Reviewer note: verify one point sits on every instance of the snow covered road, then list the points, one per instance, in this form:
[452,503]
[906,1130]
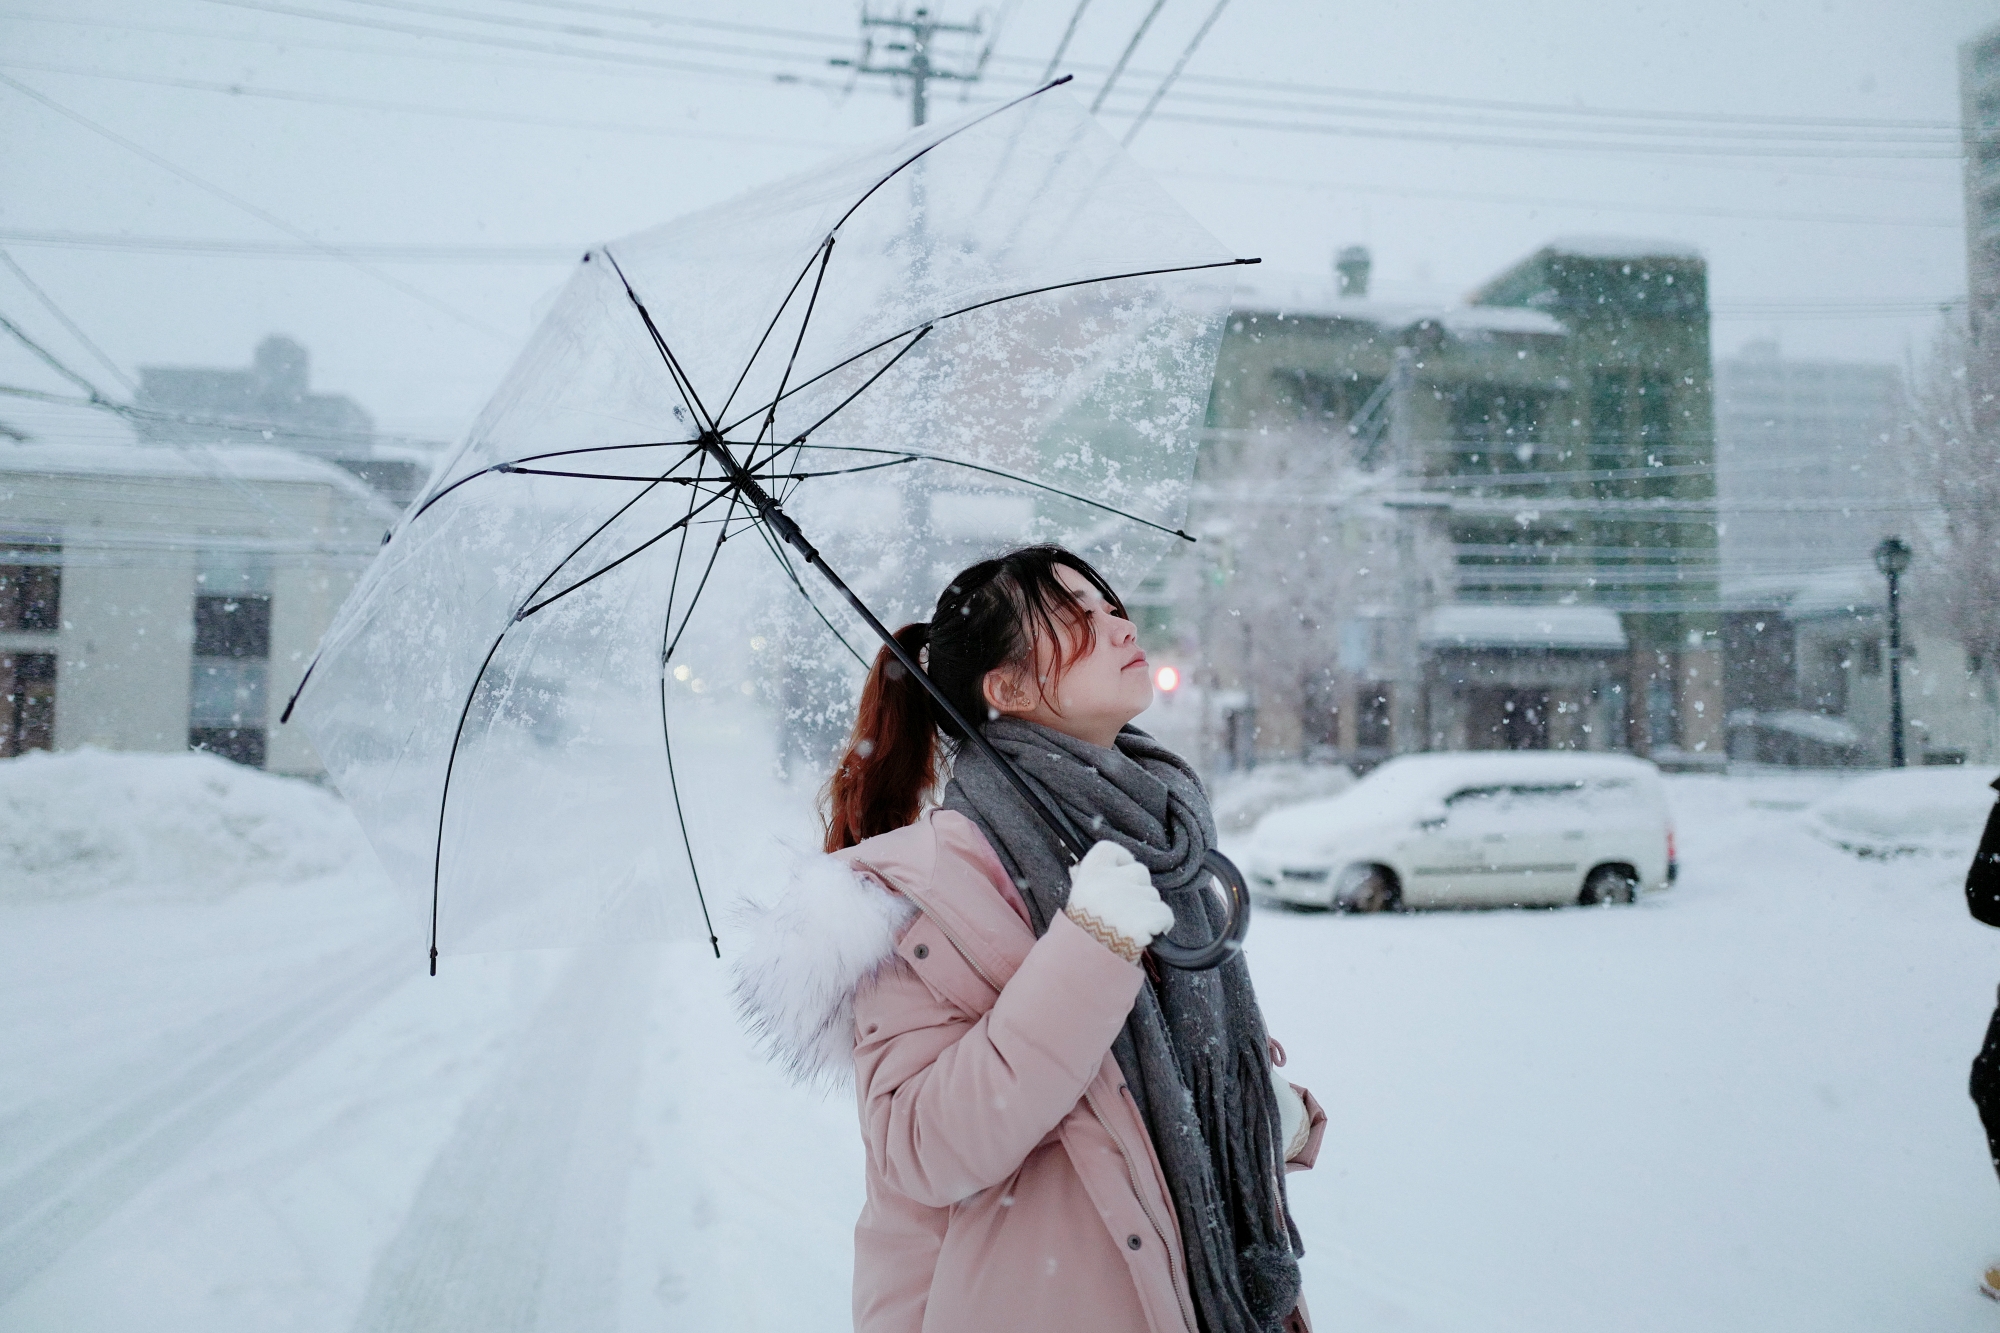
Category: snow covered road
[234,1102]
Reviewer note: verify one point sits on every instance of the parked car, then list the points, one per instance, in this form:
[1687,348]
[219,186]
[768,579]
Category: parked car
[1478,829]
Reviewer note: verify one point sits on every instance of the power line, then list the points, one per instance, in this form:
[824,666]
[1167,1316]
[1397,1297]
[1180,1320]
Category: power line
[1541,201]
[1076,17]
[481,57]
[75,332]
[1730,119]
[577,30]
[1550,145]
[236,201]
[418,109]
[1138,35]
[683,20]
[394,253]
[504,43]
[1138,123]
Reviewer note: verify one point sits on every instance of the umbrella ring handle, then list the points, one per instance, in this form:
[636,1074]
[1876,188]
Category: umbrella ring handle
[1197,958]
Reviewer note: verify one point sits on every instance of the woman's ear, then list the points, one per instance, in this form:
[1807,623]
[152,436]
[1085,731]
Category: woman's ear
[1006,690]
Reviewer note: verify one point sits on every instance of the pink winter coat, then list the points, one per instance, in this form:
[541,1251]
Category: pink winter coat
[1011,1181]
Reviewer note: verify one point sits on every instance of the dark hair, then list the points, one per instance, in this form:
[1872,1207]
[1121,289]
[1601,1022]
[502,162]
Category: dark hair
[991,615]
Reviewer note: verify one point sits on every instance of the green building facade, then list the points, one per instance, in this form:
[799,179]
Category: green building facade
[1553,436]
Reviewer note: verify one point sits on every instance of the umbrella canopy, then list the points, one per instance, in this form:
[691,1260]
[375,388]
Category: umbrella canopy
[566,680]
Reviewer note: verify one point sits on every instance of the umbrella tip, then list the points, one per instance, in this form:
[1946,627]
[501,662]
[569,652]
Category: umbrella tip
[1060,82]
[434,960]
[1250,261]
[716,945]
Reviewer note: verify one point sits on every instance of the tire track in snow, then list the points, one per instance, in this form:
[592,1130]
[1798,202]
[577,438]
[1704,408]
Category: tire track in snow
[65,1191]
[517,1224]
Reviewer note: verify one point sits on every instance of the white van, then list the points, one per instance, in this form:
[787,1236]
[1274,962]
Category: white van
[1478,829]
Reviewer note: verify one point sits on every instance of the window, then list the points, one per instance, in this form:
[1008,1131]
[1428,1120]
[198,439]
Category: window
[229,678]
[27,703]
[1631,431]
[30,589]
[1497,429]
[1373,720]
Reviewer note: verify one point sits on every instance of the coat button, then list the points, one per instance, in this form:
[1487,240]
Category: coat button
[1133,1242]
[922,951]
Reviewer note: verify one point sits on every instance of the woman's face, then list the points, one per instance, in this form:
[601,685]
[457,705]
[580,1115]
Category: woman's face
[1105,684]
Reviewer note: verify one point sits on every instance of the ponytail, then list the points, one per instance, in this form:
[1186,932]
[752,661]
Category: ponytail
[890,762]
[992,615]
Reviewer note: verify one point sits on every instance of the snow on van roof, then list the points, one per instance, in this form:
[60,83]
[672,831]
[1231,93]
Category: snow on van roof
[1573,627]
[1408,781]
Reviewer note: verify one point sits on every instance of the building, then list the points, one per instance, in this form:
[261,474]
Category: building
[1808,458]
[1552,438]
[1979,119]
[162,599]
[270,402]
[1808,676]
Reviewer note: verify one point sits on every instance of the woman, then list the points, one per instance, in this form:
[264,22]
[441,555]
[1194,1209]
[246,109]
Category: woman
[1060,1134]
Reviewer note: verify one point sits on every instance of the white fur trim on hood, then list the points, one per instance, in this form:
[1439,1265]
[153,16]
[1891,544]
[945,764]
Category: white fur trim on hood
[809,946]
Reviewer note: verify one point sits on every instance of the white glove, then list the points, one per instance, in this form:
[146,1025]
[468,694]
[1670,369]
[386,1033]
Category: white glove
[1112,896]
[1291,1114]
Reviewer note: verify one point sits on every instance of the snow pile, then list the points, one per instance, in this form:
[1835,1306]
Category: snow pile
[1906,812]
[87,821]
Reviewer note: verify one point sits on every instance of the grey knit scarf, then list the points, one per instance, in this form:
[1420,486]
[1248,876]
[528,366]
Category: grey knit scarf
[1193,1051]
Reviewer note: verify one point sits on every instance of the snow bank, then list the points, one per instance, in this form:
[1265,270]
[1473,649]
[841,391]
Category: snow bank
[1242,798]
[1905,812]
[191,825]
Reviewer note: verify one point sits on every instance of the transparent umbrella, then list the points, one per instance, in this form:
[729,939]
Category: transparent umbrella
[737,449]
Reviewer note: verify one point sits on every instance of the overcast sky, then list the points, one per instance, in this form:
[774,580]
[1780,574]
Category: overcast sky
[1807,147]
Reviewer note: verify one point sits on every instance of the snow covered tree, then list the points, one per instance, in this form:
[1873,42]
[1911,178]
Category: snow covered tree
[1954,452]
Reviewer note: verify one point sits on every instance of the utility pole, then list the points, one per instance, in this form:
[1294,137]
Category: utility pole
[918,69]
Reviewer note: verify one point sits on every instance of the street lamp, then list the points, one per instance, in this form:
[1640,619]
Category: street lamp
[1892,557]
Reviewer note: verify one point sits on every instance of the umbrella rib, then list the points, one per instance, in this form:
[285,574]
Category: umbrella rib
[676,526]
[866,384]
[666,730]
[709,569]
[694,482]
[769,329]
[458,735]
[784,563]
[770,425]
[921,456]
[680,376]
[981,305]
[513,465]
[909,161]
[444,795]
[853,208]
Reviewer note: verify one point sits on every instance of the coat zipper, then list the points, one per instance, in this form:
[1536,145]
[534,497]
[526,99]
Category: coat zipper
[1131,1168]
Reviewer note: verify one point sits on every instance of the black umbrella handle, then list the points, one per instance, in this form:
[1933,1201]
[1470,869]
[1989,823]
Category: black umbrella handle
[1199,957]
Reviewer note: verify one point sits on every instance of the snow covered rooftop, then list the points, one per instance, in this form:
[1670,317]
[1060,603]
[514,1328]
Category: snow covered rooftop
[1842,591]
[1292,294]
[236,462]
[1591,628]
[1621,247]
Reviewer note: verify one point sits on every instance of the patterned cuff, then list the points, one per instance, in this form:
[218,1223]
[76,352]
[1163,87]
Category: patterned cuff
[1123,945]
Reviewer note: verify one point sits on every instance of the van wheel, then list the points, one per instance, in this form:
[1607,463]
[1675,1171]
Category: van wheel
[1366,888]
[1608,884]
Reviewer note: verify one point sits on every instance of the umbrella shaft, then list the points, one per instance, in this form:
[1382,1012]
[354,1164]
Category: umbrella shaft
[781,523]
